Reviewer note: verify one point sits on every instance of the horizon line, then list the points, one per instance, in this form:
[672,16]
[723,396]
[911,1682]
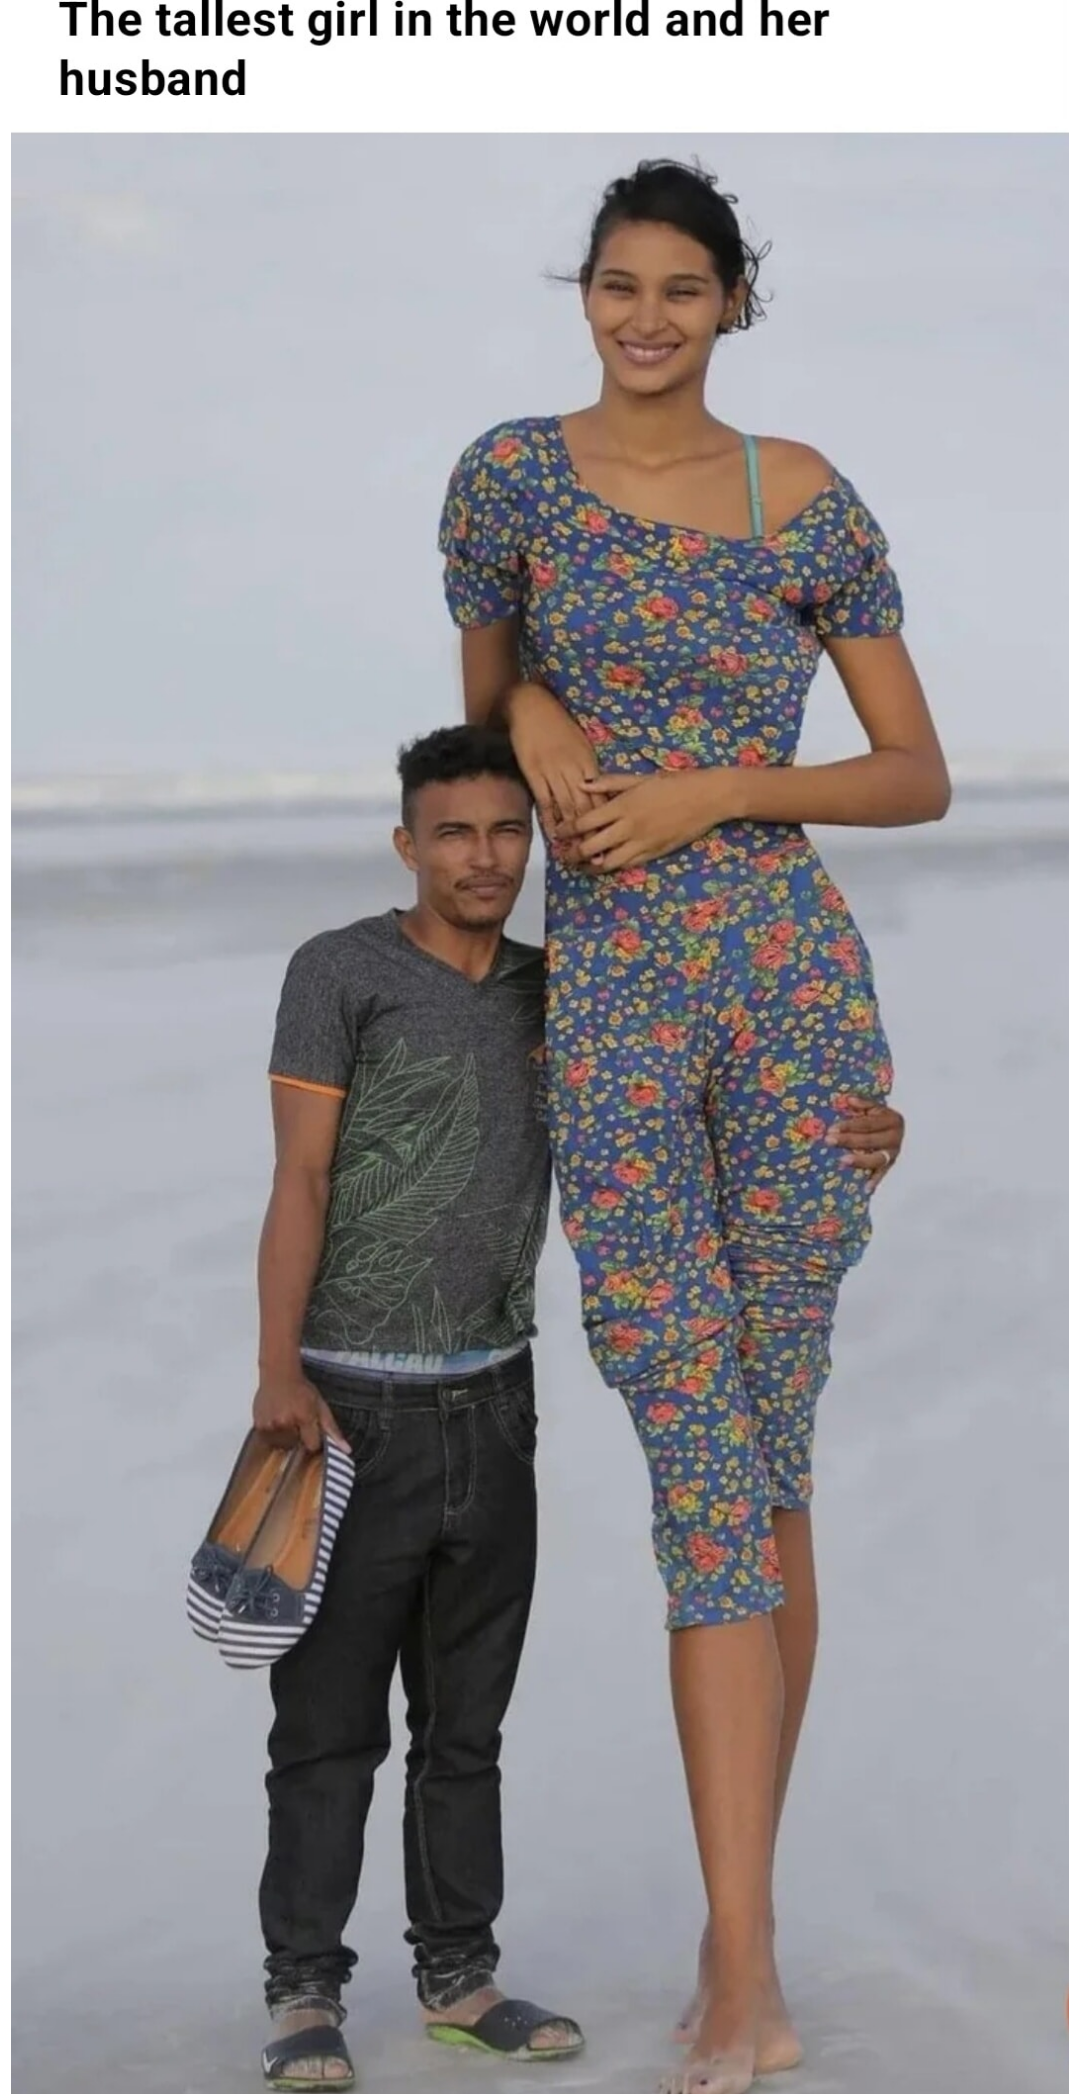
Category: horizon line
[279,791]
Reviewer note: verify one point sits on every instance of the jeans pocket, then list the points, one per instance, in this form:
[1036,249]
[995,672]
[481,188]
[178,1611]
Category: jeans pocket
[368,1434]
[515,1415]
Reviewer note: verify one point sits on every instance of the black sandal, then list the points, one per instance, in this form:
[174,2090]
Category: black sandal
[319,2042]
[505,2032]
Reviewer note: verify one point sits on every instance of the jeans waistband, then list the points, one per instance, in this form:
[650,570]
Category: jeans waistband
[395,1392]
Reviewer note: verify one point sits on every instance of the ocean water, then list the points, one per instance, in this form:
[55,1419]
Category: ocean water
[921,1883]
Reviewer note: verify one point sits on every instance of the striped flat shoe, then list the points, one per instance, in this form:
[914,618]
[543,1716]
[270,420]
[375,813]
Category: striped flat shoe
[275,1594]
[248,1495]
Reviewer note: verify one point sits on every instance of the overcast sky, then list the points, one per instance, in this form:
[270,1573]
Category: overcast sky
[245,365]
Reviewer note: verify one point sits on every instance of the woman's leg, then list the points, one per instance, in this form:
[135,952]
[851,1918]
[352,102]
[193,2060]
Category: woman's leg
[795,1626]
[728,1695]
[699,1197]
[716,1553]
[638,1198]
[796,1632]
[795,1219]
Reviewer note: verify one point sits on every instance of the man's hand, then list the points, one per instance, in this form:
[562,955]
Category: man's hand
[872,1134]
[287,1409]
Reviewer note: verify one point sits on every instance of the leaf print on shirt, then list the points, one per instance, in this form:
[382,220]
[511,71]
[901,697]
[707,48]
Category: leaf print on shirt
[406,1151]
[408,1144]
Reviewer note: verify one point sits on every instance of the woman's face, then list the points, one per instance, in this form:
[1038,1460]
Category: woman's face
[655,306]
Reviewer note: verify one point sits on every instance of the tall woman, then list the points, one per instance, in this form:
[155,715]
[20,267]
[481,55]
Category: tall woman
[644,594]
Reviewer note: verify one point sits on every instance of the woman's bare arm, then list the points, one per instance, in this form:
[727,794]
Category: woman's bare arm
[903,777]
[490,668]
[555,756]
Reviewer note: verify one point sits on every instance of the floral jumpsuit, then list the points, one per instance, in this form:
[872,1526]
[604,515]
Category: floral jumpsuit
[709,1014]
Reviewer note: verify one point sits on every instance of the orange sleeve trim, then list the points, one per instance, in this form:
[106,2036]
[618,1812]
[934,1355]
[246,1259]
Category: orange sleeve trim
[325,1090]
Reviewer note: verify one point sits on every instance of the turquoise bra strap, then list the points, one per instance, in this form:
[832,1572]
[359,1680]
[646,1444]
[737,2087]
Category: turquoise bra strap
[753,479]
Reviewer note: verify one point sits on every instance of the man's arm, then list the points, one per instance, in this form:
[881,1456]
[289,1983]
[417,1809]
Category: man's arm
[312,1063]
[287,1406]
[872,1136]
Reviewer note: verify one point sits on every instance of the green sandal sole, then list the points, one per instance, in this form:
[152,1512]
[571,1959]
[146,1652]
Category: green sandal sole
[463,2039]
[311,2086]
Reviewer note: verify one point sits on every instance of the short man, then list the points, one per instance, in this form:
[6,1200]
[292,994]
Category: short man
[396,1281]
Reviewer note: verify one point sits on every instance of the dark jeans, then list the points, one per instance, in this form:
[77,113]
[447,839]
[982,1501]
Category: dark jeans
[433,1567]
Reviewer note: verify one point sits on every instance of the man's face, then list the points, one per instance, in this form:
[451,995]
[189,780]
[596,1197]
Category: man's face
[468,844]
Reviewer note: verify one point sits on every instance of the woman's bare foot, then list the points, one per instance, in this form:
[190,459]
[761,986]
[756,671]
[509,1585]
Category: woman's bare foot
[290,2024]
[727,2069]
[778,2048]
[466,2012]
[709,2076]
[722,2060]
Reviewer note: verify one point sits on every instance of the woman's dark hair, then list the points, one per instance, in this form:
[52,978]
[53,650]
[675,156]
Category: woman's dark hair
[666,192]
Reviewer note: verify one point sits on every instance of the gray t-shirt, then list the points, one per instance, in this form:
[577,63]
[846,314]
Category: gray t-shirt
[441,1178]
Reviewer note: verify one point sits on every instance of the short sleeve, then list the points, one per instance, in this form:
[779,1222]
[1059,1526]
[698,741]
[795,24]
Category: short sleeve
[861,599]
[480,532]
[315,1035]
